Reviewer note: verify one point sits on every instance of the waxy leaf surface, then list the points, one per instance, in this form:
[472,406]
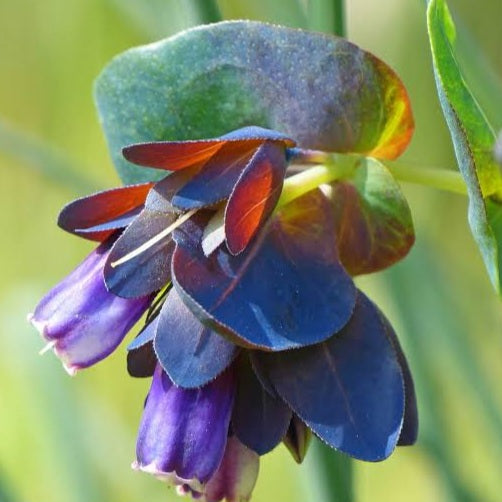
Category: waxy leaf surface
[98,215]
[473,140]
[324,92]
[150,270]
[141,359]
[373,219]
[190,353]
[288,289]
[259,420]
[349,389]
[255,195]
[242,151]
[216,180]
[409,431]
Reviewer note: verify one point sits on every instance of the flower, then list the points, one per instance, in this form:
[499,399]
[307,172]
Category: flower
[83,322]
[183,432]
[226,386]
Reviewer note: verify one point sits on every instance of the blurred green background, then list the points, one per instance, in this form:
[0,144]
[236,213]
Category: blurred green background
[72,440]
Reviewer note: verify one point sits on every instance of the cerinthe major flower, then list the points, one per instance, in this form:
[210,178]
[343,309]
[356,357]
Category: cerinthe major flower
[218,341]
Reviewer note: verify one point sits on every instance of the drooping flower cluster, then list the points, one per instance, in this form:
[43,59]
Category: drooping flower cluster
[232,285]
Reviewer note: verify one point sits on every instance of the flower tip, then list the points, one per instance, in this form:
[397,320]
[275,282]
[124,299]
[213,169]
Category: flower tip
[193,484]
[71,370]
[40,326]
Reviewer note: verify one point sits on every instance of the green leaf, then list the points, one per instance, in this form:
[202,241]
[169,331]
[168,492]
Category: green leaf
[473,140]
[323,91]
[373,219]
[327,16]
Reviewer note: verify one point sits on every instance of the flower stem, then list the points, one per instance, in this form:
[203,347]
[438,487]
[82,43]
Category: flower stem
[337,167]
[327,16]
[299,184]
[442,179]
[205,11]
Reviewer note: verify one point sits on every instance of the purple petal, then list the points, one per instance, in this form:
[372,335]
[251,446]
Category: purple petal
[236,477]
[183,432]
[82,320]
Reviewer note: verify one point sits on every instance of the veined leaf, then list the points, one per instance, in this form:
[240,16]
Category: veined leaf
[322,91]
[287,289]
[354,385]
[373,219]
[473,140]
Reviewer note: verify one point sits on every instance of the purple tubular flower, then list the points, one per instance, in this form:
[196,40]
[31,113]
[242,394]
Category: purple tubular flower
[183,432]
[80,319]
[235,479]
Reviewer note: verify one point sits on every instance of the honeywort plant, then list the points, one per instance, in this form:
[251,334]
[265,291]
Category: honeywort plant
[253,158]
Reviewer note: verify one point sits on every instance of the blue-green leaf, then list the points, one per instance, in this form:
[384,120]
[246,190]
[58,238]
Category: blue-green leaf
[320,90]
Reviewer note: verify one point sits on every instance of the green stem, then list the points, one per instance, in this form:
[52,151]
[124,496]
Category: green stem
[327,16]
[339,24]
[305,181]
[340,167]
[442,179]
[204,11]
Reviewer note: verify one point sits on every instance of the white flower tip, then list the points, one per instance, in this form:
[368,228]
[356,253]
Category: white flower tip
[182,490]
[169,477]
[71,370]
[40,326]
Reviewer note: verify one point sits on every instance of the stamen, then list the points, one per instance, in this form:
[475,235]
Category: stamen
[149,243]
[48,347]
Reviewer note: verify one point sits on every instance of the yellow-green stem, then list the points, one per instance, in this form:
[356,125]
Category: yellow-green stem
[343,166]
[441,179]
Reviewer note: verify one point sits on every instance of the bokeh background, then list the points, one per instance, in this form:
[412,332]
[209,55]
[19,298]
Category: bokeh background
[72,440]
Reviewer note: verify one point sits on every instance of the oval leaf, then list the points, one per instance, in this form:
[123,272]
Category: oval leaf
[409,431]
[190,353]
[259,420]
[349,389]
[373,219]
[473,140]
[97,216]
[324,92]
[255,195]
[288,289]
[215,181]
[150,270]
